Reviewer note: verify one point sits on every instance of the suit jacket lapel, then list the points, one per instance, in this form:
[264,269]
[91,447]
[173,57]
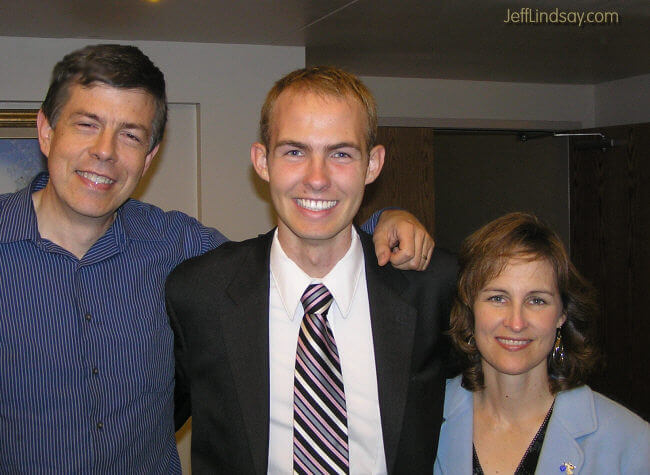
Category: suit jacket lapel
[573,417]
[393,330]
[246,333]
[455,449]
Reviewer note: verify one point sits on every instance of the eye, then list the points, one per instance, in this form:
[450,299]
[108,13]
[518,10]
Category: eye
[537,301]
[496,298]
[290,153]
[343,156]
[132,137]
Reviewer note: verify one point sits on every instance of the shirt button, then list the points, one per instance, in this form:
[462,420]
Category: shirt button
[95,371]
[88,317]
[100,425]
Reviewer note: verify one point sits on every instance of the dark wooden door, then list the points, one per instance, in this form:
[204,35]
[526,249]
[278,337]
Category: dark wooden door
[406,180]
[610,245]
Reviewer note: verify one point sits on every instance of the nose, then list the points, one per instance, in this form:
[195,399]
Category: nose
[103,148]
[515,320]
[316,176]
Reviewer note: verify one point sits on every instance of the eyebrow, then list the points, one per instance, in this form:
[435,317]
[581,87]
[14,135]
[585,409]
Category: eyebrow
[329,148]
[538,291]
[344,145]
[292,143]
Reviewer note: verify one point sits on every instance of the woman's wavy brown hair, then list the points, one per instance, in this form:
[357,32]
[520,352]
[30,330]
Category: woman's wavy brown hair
[484,255]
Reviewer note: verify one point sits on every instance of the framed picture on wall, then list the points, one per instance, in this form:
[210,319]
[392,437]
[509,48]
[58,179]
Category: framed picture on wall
[20,156]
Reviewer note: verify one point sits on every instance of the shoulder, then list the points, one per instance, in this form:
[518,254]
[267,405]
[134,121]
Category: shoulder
[456,396]
[607,431]
[8,200]
[583,403]
[229,254]
[614,417]
[17,218]
[455,445]
[5,208]
[139,212]
[443,264]
[443,257]
[144,220]
[438,280]
[221,263]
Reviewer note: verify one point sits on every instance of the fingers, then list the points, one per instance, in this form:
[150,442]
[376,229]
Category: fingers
[385,236]
[382,249]
[414,252]
[401,239]
[427,251]
[403,255]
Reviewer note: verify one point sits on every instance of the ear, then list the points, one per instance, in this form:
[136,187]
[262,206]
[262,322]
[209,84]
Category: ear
[44,133]
[561,320]
[149,158]
[375,163]
[260,161]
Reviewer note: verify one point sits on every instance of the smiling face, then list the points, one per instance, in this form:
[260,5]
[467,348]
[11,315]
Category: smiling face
[516,315]
[317,166]
[98,150]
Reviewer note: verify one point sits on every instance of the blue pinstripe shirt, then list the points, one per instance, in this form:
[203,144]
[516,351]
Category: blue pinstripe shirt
[86,353]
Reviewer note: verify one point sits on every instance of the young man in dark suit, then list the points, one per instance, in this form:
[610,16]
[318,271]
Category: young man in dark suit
[295,351]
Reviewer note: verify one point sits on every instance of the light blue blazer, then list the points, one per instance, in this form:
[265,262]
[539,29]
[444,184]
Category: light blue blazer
[586,430]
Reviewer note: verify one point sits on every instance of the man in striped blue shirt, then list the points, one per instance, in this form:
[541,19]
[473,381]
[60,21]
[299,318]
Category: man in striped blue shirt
[86,352]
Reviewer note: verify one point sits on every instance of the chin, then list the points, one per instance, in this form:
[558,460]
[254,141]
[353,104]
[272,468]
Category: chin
[515,368]
[96,213]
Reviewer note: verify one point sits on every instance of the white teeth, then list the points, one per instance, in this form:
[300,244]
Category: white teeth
[315,205]
[96,179]
[513,342]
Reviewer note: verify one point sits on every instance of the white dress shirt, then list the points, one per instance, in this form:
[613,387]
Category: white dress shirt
[349,317]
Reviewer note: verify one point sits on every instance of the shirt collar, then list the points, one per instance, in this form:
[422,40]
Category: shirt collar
[342,281]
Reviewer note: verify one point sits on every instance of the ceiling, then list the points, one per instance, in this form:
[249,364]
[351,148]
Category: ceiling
[453,39]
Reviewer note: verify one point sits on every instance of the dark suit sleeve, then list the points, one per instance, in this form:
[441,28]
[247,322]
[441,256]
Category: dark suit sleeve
[182,400]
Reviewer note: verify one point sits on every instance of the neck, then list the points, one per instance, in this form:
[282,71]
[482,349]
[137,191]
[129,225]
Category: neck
[73,233]
[514,397]
[316,257]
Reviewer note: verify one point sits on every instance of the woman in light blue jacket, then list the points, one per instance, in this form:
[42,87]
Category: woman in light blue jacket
[522,321]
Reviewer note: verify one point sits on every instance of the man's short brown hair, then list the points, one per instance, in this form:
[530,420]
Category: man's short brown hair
[326,81]
[119,66]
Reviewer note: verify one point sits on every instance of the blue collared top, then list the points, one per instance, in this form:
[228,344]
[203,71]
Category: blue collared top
[86,352]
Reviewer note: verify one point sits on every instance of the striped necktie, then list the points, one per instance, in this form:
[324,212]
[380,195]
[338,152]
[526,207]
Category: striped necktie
[320,432]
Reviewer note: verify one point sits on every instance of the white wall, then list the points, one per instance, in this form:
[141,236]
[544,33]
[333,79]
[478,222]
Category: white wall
[625,101]
[455,103]
[486,104]
[171,181]
[227,82]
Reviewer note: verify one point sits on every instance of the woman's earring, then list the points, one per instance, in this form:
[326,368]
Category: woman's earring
[558,349]
[471,341]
